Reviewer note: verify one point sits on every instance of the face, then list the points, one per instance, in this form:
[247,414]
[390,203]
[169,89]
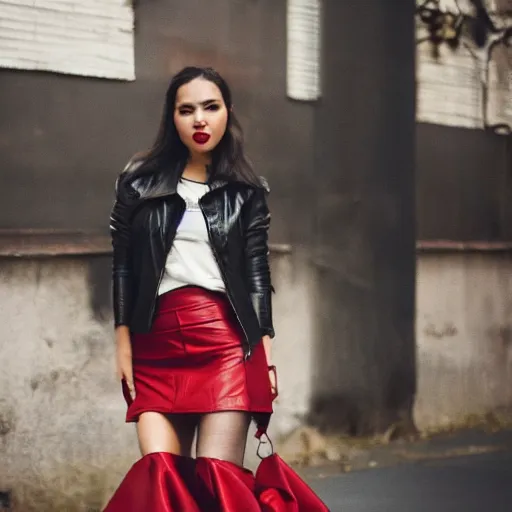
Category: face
[200,115]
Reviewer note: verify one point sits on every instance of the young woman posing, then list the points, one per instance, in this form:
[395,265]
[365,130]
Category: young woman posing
[193,314]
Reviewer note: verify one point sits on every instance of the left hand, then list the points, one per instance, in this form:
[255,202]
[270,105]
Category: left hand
[267,345]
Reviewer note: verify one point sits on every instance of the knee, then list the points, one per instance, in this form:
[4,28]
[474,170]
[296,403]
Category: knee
[148,449]
[156,434]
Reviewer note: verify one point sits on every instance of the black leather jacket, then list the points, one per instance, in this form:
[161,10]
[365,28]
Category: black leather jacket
[143,225]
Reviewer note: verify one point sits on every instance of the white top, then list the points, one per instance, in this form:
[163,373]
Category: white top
[191,260]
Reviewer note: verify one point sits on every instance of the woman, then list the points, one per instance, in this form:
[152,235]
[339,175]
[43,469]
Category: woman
[193,315]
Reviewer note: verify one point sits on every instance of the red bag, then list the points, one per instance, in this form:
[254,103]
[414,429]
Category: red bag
[280,489]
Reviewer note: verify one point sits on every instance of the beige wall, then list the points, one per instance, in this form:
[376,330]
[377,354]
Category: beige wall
[463,336]
[63,440]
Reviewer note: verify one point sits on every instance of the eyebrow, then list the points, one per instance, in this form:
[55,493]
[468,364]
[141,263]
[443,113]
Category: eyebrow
[205,103]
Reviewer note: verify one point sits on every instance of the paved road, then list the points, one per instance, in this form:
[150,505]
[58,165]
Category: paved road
[476,483]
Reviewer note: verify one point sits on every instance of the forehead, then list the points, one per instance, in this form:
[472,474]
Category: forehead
[198,91]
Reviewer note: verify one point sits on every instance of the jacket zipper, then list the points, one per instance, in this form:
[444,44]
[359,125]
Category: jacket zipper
[214,251]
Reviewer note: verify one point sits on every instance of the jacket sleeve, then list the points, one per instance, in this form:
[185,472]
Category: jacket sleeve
[257,224]
[121,274]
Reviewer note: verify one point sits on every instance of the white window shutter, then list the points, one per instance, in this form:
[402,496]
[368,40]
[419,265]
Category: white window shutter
[88,38]
[449,88]
[303,49]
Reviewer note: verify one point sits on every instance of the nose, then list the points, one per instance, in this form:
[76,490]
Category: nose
[199,119]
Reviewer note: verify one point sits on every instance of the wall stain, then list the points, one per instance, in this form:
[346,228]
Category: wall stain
[48,382]
[5,500]
[502,334]
[505,334]
[448,330]
[7,418]
[99,280]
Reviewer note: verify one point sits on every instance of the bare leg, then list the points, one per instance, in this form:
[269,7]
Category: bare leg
[222,435]
[160,433]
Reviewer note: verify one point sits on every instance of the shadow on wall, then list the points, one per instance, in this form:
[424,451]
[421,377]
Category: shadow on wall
[5,500]
[364,242]
[100,283]
[363,385]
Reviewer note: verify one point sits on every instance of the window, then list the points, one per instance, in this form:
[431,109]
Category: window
[303,49]
[464,79]
[87,38]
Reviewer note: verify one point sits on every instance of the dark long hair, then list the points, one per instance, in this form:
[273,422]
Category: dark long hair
[168,152]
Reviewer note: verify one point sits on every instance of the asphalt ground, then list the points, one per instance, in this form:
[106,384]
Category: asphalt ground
[466,472]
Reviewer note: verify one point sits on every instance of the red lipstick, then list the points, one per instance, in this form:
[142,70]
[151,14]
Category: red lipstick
[201,137]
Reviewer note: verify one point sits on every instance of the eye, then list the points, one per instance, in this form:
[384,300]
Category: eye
[185,111]
[213,107]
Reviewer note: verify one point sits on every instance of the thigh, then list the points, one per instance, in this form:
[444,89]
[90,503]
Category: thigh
[166,433]
[223,435]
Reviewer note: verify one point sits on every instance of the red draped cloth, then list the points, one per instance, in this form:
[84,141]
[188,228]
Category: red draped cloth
[162,482]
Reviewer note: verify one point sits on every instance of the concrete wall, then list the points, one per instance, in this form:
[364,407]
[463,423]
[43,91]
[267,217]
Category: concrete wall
[463,336]
[363,245]
[463,184]
[62,439]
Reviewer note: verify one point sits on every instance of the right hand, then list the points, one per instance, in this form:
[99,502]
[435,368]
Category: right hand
[124,365]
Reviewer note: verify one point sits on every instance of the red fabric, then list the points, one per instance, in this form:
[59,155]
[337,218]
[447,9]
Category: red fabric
[225,487]
[162,482]
[280,489]
[159,482]
[192,360]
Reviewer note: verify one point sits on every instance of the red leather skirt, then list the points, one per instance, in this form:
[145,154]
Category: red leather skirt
[192,361]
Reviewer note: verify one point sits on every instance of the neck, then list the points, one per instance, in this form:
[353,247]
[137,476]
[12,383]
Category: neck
[196,168]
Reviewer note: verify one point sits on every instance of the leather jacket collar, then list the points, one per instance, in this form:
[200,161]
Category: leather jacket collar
[145,186]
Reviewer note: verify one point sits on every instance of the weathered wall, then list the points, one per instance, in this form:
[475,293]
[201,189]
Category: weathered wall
[463,184]
[463,192]
[364,368]
[468,86]
[463,171]
[62,439]
[463,335]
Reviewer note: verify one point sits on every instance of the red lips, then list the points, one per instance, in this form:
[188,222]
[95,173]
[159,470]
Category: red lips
[201,137]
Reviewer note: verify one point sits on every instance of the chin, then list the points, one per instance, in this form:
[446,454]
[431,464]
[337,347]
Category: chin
[202,149]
